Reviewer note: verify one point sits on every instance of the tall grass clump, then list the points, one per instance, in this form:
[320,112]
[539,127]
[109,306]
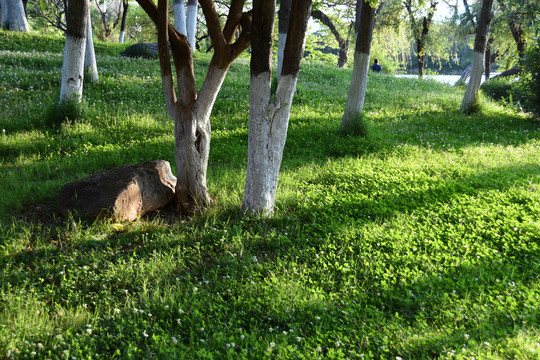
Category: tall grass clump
[418,241]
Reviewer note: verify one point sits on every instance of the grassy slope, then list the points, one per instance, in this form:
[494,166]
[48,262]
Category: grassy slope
[420,241]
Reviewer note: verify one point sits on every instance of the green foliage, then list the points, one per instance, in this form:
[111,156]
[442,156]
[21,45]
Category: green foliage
[499,88]
[529,83]
[419,241]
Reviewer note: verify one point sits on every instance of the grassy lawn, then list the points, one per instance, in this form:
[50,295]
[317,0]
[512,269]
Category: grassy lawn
[420,241]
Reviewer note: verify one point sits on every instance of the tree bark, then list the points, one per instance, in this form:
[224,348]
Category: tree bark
[284,15]
[71,86]
[125,8]
[90,64]
[421,32]
[342,43]
[269,119]
[4,23]
[16,16]
[191,113]
[191,22]
[180,16]
[470,98]
[517,32]
[351,121]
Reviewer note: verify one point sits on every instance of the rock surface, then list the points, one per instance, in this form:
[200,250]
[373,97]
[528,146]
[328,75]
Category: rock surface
[142,50]
[123,193]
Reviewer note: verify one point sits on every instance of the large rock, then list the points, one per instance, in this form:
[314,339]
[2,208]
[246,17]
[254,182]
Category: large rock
[123,193]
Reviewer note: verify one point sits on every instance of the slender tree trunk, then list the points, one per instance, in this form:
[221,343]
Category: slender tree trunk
[71,86]
[421,31]
[191,22]
[269,119]
[342,43]
[421,51]
[517,32]
[180,16]
[351,122]
[284,15]
[16,17]
[4,23]
[470,98]
[90,64]
[487,59]
[125,9]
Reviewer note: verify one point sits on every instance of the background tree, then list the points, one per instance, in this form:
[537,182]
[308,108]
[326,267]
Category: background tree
[71,86]
[284,15]
[180,16]
[110,12]
[14,16]
[125,8]
[420,20]
[189,110]
[351,122]
[482,32]
[269,116]
[90,64]
[49,12]
[191,22]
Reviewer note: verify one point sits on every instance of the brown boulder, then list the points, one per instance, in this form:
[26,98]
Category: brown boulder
[123,193]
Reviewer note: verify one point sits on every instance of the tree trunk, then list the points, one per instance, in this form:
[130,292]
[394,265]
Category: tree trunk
[517,32]
[16,17]
[421,32]
[191,113]
[284,14]
[351,122]
[4,23]
[71,86]
[269,119]
[421,51]
[191,22]
[470,98]
[90,65]
[180,16]
[487,59]
[125,9]
[342,43]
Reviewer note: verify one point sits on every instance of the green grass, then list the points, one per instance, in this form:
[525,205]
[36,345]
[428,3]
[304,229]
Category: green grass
[419,241]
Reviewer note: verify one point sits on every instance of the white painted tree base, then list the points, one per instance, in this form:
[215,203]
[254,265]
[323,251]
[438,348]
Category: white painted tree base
[71,86]
[357,91]
[471,94]
[180,17]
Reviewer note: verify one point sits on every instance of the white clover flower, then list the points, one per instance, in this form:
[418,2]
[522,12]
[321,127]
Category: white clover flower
[89,331]
[144,334]
[298,339]
[242,337]
[466,336]
[40,346]
[202,329]
[272,344]
[33,353]
[319,348]
[174,340]
[117,311]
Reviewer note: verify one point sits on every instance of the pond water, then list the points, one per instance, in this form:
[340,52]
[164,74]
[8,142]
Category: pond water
[447,79]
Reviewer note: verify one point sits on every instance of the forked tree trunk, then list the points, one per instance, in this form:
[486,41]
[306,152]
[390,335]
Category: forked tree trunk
[125,9]
[90,64]
[269,119]
[180,16]
[421,31]
[71,86]
[191,113]
[470,98]
[342,43]
[191,22]
[284,15]
[351,122]
[16,16]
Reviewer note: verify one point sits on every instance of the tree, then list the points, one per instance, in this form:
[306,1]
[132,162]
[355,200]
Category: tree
[125,8]
[189,110]
[343,43]
[420,28]
[284,15]
[482,32]
[71,85]
[110,12]
[513,14]
[351,121]
[52,12]
[191,22]
[269,116]
[180,16]
[14,15]
[90,64]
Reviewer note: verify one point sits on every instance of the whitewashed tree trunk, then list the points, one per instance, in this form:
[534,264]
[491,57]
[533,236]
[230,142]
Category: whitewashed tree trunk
[71,86]
[122,36]
[90,64]
[470,98]
[352,122]
[357,92]
[269,119]
[191,22]
[471,94]
[125,8]
[268,124]
[4,23]
[284,15]
[180,16]
[16,16]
